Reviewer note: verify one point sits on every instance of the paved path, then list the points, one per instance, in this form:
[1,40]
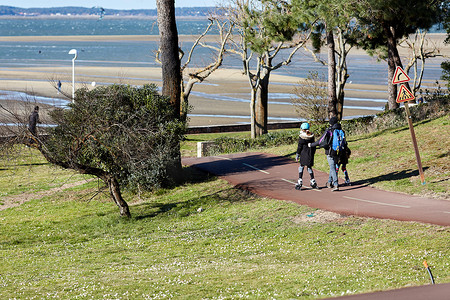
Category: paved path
[275,177]
[424,292]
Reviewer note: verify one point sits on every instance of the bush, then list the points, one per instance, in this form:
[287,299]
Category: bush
[434,108]
[127,136]
[229,145]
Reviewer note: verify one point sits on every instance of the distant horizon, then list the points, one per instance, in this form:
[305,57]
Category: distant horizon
[106,4]
[106,8]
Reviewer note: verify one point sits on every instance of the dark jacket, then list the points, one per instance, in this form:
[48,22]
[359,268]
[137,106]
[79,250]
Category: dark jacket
[326,139]
[306,153]
[344,156]
[33,120]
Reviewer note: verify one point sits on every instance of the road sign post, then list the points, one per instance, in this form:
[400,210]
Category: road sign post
[404,95]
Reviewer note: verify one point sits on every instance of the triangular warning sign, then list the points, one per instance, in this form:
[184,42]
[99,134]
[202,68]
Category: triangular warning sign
[404,94]
[400,76]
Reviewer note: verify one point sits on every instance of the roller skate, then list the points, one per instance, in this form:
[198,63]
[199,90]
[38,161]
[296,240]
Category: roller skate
[314,184]
[299,184]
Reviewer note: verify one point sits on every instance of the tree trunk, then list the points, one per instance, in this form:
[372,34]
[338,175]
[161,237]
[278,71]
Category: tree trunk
[262,104]
[341,75]
[114,190]
[171,73]
[171,65]
[392,49]
[332,99]
[253,114]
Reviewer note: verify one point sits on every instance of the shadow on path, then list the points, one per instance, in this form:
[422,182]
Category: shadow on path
[393,176]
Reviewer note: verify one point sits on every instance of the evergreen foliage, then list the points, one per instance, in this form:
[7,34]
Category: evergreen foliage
[130,133]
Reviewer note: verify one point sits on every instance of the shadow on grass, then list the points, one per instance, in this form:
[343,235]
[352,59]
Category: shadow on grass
[10,167]
[393,176]
[191,204]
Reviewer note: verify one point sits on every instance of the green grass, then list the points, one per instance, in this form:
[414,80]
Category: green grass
[29,172]
[237,247]
[205,239]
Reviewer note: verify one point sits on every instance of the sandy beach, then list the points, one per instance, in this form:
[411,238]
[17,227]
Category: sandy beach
[222,99]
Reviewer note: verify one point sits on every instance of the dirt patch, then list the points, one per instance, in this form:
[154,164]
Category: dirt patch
[317,216]
[17,200]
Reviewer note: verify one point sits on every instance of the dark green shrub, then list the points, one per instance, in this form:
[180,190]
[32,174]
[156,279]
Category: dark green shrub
[119,133]
[275,138]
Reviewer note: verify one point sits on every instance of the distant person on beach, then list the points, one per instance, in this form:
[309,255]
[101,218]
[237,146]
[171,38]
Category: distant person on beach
[306,155]
[33,120]
[59,86]
[326,141]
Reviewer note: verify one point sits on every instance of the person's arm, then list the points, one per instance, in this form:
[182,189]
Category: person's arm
[299,150]
[316,143]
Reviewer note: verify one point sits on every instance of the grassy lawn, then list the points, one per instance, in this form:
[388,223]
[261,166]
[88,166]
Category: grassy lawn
[206,239]
[29,172]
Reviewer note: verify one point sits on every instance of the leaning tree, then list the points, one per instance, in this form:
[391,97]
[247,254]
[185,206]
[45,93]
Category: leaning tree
[126,136]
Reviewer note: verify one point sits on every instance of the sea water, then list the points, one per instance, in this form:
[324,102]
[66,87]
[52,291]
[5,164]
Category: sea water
[362,69]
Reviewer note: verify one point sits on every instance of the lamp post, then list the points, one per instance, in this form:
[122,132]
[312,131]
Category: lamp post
[74,52]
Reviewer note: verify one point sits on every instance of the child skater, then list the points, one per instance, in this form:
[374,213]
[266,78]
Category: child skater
[306,155]
[343,160]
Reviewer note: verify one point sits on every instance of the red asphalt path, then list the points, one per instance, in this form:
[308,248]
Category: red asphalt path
[424,292]
[275,177]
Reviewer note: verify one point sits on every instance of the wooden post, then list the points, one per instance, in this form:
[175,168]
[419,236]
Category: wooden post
[404,95]
[414,141]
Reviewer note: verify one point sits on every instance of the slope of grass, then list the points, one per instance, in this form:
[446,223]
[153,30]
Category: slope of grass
[205,239]
[25,170]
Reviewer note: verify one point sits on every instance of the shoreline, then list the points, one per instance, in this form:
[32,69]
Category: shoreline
[95,16]
[437,40]
[223,98]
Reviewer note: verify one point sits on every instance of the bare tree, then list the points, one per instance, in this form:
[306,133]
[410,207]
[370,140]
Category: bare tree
[338,30]
[265,30]
[311,98]
[420,49]
[197,75]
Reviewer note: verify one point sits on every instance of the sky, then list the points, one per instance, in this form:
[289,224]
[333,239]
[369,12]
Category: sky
[114,4]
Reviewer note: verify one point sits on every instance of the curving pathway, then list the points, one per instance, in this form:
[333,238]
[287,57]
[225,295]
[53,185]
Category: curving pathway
[275,177]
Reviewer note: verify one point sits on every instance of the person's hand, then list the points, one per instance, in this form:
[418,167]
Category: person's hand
[296,158]
[309,145]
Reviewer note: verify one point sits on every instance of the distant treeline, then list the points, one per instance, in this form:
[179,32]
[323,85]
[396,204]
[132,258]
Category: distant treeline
[71,10]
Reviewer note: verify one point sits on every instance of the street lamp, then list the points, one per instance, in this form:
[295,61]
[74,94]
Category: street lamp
[74,52]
